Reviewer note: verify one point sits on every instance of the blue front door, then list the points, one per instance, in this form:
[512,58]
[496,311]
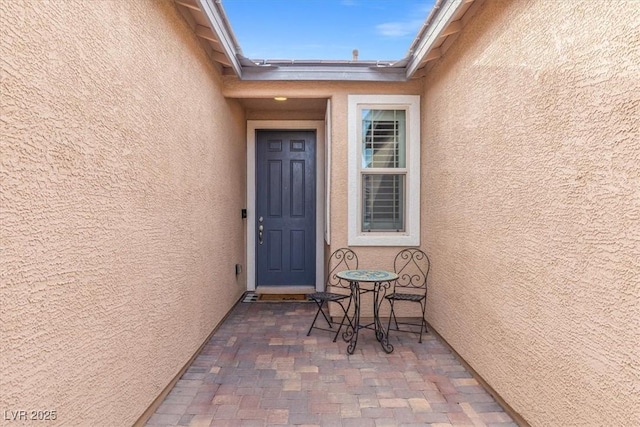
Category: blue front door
[285,207]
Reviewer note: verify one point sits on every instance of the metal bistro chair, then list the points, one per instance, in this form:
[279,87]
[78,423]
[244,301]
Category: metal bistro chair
[340,260]
[412,267]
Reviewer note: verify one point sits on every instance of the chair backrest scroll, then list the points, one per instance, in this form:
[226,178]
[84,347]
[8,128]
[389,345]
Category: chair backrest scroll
[412,267]
[340,260]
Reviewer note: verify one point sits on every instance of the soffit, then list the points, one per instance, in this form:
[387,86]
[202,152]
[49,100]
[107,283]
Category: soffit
[291,104]
[208,21]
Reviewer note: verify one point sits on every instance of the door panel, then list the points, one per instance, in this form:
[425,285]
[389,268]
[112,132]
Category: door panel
[297,188]
[274,189]
[285,208]
[297,250]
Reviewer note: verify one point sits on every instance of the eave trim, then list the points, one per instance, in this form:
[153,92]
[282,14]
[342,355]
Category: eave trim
[323,73]
[445,16]
[219,26]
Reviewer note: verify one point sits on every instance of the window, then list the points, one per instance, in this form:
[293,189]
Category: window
[384,175]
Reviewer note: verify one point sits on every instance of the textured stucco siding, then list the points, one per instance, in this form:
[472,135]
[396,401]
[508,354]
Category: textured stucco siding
[531,202]
[338,93]
[122,176]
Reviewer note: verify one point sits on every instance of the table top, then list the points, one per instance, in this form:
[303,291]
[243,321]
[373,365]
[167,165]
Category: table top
[367,275]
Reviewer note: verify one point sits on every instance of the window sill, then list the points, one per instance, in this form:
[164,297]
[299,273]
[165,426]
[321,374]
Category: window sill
[377,239]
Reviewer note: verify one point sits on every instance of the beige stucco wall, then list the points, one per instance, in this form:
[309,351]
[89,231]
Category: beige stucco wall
[338,93]
[531,200]
[122,174]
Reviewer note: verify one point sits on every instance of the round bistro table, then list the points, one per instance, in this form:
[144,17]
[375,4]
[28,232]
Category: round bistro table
[361,282]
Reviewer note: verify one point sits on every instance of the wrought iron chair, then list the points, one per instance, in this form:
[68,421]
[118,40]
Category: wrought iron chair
[412,267]
[340,260]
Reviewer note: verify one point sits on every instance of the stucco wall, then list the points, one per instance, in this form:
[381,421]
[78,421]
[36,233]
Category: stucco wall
[531,200]
[338,92]
[122,175]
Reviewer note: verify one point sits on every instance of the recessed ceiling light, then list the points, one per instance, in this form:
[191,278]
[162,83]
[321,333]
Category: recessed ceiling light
[280,98]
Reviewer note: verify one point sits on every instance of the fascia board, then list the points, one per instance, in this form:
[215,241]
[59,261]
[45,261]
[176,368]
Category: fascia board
[447,12]
[324,73]
[218,26]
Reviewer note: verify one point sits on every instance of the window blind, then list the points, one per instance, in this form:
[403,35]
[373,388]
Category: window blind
[383,202]
[383,139]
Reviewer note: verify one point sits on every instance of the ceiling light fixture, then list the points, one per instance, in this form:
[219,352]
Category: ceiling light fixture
[280,98]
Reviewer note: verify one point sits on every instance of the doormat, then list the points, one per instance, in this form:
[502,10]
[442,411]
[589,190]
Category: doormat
[250,297]
[254,297]
[282,297]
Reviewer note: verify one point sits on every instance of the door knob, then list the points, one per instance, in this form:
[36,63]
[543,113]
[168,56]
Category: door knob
[260,229]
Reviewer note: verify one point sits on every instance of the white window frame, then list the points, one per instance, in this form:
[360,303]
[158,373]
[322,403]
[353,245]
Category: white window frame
[411,234]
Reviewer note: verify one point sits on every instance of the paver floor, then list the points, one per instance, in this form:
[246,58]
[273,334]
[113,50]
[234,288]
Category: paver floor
[261,369]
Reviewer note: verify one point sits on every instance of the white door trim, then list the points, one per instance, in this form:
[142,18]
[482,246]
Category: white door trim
[252,127]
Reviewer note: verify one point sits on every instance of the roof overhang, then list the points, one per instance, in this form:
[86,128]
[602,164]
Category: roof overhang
[209,22]
[439,32]
[322,71]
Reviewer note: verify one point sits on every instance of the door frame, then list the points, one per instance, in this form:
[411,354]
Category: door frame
[252,127]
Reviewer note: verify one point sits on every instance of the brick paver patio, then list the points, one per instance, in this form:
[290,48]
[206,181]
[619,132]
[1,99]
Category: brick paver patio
[260,369]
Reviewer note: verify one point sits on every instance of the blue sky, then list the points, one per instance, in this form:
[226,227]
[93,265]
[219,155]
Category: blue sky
[326,29]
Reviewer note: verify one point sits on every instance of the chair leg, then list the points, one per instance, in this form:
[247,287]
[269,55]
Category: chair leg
[335,337]
[320,310]
[423,324]
[345,316]
[423,327]
[395,319]
[392,315]
[325,315]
